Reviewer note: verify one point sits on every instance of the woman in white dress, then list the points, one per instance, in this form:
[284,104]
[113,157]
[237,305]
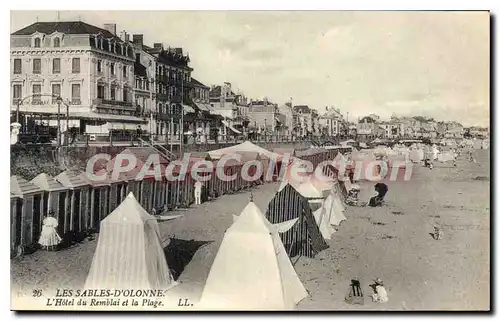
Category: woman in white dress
[49,237]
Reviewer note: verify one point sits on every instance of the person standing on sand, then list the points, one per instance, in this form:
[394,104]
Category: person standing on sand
[49,237]
[197,192]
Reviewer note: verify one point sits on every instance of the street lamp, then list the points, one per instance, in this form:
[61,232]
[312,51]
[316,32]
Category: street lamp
[58,101]
[265,130]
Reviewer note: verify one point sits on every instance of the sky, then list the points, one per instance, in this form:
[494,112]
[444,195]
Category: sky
[434,64]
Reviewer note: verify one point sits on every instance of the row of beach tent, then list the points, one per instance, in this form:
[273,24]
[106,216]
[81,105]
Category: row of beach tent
[252,268]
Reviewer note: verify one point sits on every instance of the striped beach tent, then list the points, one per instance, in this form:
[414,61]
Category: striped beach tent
[305,237]
[129,253]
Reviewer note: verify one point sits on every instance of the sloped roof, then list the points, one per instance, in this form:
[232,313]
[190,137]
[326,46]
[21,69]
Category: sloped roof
[71,180]
[47,183]
[19,186]
[197,83]
[302,108]
[67,27]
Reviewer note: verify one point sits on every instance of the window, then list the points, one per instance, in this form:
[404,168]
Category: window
[124,71]
[17,66]
[75,94]
[37,89]
[57,42]
[16,93]
[100,91]
[38,42]
[75,65]
[56,91]
[99,65]
[56,65]
[112,68]
[37,66]
[113,93]
[125,94]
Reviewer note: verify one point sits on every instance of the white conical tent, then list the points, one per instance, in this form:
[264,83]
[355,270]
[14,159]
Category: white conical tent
[326,186]
[323,222]
[308,190]
[129,253]
[252,270]
[332,212]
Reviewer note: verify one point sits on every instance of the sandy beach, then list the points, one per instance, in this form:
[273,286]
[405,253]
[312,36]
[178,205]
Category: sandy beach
[391,242]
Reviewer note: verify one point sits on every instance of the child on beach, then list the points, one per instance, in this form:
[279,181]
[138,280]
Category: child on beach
[380,295]
[378,200]
[49,238]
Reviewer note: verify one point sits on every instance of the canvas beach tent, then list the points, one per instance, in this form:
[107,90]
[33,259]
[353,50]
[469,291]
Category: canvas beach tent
[332,212]
[252,270]
[304,238]
[129,253]
[446,156]
[245,147]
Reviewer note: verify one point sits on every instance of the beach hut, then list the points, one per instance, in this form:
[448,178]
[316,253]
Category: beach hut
[304,238]
[274,163]
[146,189]
[129,253]
[16,209]
[54,197]
[251,269]
[100,193]
[77,203]
[26,220]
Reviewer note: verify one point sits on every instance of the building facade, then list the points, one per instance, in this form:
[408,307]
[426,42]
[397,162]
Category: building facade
[145,85]
[90,68]
[304,120]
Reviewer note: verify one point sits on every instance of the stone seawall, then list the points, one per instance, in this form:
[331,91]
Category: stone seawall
[29,161]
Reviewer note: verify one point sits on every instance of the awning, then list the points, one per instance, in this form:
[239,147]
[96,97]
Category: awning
[230,127]
[202,106]
[188,109]
[107,117]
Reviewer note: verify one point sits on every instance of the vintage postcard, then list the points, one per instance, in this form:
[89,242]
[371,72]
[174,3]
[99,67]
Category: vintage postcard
[250,160]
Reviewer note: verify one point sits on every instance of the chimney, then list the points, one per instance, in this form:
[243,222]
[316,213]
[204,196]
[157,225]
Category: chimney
[326,108]
[124,36]
[138,40]
[158,45]
[111,27]
[178,51]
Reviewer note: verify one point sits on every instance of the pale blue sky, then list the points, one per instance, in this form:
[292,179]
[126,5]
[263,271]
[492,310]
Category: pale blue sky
[426,63]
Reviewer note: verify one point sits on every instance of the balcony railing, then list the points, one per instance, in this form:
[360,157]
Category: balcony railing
[105,103]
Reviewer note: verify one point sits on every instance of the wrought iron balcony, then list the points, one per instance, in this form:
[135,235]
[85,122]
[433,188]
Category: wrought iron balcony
[105,103]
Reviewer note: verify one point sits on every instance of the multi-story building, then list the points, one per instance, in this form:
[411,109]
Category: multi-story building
[304,120]
[89,67]
[232,107]
[205,120]
[265,115]
[331,122]
[173,85]
[287,113]
[145,84]
[367,128]
[391,129]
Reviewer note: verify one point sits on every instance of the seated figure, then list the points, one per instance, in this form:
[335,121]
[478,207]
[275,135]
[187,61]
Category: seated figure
[378,200]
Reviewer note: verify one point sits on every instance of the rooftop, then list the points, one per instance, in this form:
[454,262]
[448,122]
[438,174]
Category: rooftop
[67,27]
